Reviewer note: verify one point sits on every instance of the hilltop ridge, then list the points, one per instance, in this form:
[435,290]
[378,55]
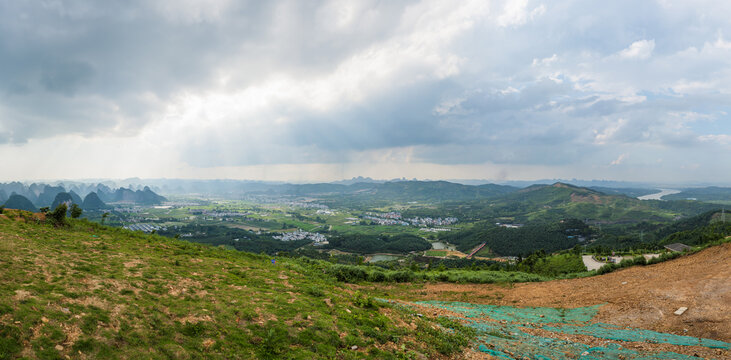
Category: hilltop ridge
[89,291]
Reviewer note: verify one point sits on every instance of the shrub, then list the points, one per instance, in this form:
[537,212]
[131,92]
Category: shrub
[376,276]
[75,211]
[640,260]
[348,273]
[400,276]
[607,269]
[58,216]
[363,301]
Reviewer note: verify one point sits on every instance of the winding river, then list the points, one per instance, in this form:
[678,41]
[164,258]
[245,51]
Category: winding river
[659,195]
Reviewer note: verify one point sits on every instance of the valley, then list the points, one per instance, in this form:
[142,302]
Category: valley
[551,270]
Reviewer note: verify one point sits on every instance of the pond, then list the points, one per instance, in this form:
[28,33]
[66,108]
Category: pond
[375,258]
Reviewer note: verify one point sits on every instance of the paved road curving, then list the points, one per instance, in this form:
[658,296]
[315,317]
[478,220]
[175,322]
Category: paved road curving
[590,263]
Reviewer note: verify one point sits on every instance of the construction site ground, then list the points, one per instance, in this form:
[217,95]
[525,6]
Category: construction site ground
[640,297]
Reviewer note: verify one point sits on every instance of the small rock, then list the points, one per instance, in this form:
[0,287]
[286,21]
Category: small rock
[585,353]
[347,310]
[624,283]
[680,310]
[419,315]
[59,347]
[354,347]
[65,310]
[44,319]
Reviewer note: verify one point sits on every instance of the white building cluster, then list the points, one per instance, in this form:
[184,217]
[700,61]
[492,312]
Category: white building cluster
[394,218]
[307,205]
[144,227]
[318,238]
[382,221]
[427,221]
[220,214]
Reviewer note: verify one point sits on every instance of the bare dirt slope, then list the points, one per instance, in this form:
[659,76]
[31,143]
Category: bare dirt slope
[641,296]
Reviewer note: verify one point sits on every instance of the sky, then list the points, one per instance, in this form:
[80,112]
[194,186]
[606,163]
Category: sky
[327,90]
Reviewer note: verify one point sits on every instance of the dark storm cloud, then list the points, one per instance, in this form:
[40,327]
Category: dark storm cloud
[59,55]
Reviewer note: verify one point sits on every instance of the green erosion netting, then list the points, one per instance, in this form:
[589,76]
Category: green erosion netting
[611,332]
[500,333]
[540,315]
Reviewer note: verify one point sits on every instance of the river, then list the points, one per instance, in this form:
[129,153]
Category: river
[658,196]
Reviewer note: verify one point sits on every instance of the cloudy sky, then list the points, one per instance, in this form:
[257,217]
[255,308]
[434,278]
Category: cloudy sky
[324,90]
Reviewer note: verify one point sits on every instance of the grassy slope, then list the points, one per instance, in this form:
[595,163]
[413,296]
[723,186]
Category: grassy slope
[92,292]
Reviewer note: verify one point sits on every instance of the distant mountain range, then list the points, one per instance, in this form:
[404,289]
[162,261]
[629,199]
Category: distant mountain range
[35,196]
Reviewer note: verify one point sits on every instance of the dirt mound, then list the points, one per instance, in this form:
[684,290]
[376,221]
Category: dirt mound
[641,297]
[589,198]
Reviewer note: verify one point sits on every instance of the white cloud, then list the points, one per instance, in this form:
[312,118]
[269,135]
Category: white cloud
[619,160]
[545,61]
[638,50]
[722,139]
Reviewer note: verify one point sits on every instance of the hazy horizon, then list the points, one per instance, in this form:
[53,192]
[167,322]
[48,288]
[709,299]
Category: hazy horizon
[329,90]
[156,182]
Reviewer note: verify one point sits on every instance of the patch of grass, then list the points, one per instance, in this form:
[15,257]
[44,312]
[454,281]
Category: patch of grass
[9,341]
[129,297]
[441,253]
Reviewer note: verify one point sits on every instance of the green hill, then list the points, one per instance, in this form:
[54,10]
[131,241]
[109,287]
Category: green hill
[550,203]
[93,202]
[75,198]
[374,194]
[19,202]
[61,198]
[93,292]
[48,195]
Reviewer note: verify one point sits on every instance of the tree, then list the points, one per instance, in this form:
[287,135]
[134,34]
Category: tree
[75,211]
[58,216]
[104,217]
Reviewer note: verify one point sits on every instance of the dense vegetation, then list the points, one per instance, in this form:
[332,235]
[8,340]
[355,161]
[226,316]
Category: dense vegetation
[653,236]
[563,263]
[239,239]
[521,241]
[700,236]
[368,244]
